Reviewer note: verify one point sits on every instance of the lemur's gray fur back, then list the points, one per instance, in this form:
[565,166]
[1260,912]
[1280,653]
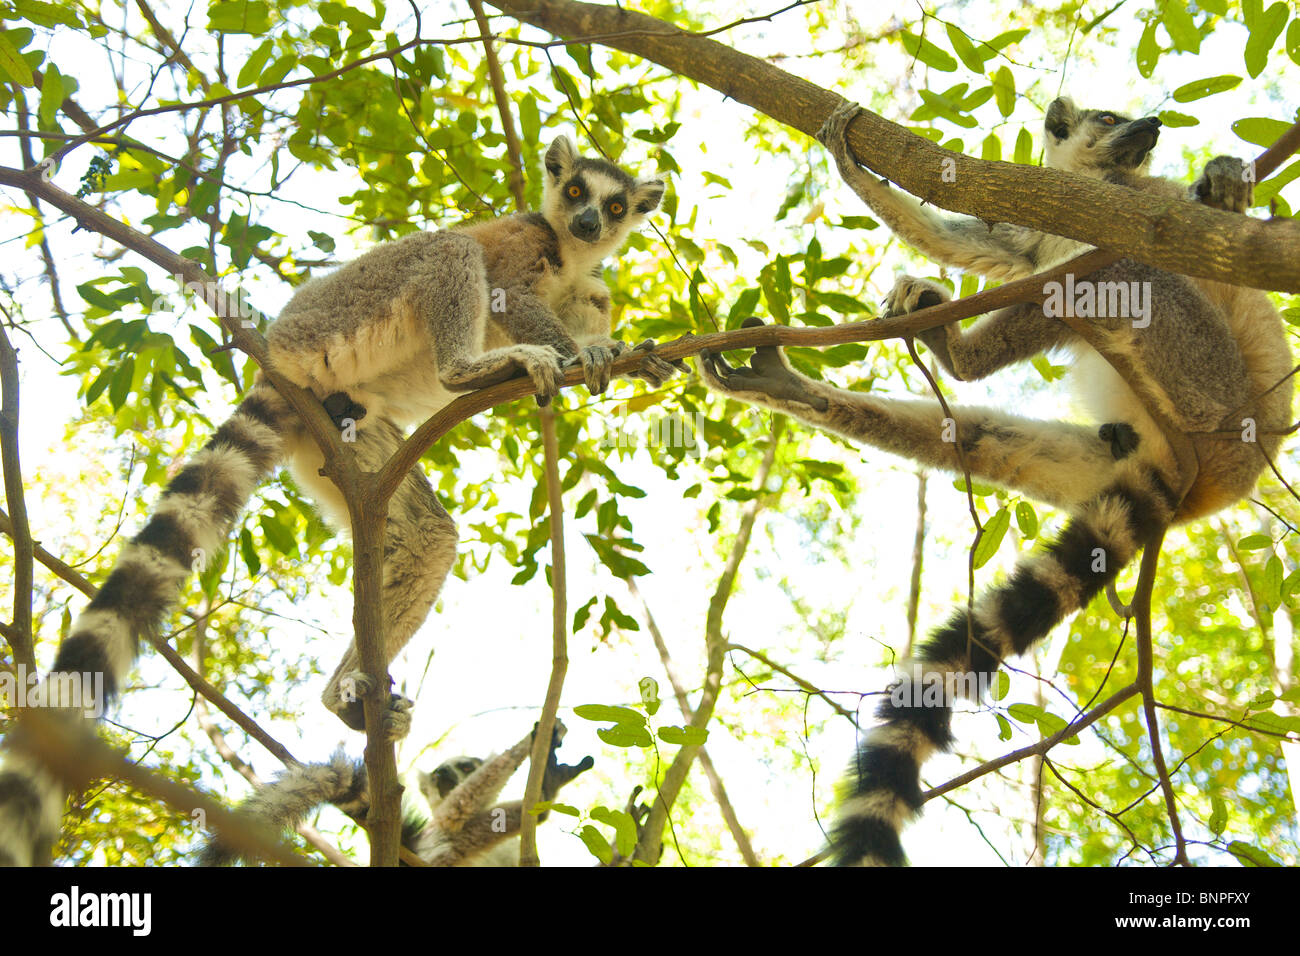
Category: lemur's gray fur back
[382,342]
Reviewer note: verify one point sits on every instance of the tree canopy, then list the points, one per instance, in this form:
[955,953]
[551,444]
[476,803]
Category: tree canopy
[735,588]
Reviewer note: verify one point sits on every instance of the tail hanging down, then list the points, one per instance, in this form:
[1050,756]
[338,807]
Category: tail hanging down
[191,523]
[1045,588]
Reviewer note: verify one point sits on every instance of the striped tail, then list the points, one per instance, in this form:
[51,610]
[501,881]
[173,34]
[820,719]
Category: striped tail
[285,803]
[1045,588]
[193,520]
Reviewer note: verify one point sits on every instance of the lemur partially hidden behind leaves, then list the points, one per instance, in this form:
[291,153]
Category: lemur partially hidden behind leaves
[384,342]
[1211,357]
[465,826]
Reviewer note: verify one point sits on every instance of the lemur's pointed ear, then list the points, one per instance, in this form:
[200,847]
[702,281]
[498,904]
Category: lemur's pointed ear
[560,155]
[1061,117]
[646,195]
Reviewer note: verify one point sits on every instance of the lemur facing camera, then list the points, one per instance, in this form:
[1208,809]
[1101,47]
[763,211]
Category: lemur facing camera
[1211,357]
[385,341]
[463,828]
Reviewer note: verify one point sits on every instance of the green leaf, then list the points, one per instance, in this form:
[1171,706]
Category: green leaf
[278,534]
[278,70]
[1003,686]
[1182,28]
[687,735]
[601,712]
[839,302]
[48,14]
[1147,50]
[1260,130]
[1265,30]
[1004,728]
[1026,519]
[964,49]
[580,616]
[928,53]
[623,824]
[98,385]
[1003,40]
[649,689]
[1047,722]
[1250,855]
[596,844]
[11,61]
[1254,542]
[1024,153]
[1218,821]
[1176,120]
[625,735]
[1271,589]
[52,94]
[858,223]
[120,387]
[994,530]
[1293,40]
[1208,86]
[1265,191]
[252,68]
[239,16]
[248,552]
[1004,88]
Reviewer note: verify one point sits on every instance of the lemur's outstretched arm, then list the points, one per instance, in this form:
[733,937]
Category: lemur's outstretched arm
[997,250]
[1052,462]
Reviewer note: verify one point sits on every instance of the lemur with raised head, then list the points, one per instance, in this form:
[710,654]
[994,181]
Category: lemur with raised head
[1211,357]
[465,826]
[385,341]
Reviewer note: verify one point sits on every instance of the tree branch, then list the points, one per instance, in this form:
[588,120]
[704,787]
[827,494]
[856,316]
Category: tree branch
[20,631]
[728,811]
[1182,237]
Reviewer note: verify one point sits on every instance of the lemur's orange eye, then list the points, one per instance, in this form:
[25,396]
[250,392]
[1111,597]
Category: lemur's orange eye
[616,209]
[1108,120]
[574,190]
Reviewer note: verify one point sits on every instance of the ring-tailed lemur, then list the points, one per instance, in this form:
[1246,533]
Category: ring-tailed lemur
[1204,350]
[463,827]
[385,341]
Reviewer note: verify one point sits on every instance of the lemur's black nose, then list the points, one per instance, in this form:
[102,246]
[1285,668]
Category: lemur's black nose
[1152,121]
[586,225]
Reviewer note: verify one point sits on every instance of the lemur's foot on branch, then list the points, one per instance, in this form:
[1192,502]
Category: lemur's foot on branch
[655,370]
[1225,184]
[342,409]
[768,377]
[348,705]
[911,294]
[1122,437]
[833,134]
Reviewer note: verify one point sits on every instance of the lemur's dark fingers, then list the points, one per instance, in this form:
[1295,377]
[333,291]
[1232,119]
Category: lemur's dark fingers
[596,363]
[1224,184]
[1121,436]
[340,407]
[836,126]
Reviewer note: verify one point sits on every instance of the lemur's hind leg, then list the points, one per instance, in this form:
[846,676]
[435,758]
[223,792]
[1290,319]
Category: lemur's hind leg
[419,549]
[1053,462]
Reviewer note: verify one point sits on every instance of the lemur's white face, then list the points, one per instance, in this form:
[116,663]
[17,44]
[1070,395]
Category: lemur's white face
[448,775]
[593,203]
[1096,142]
